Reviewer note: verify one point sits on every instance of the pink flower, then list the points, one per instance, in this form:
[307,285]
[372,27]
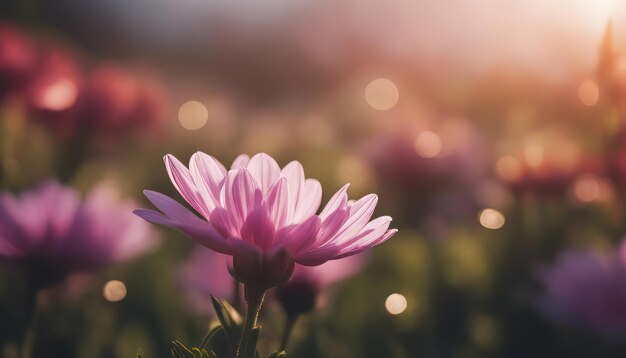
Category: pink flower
[205,274]
[116,102]
[17,60]
[52,233]
[587,288]
[265,217]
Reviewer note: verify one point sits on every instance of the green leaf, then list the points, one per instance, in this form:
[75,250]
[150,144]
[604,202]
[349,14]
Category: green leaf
[250,349]
[229,317]
[281,354]
[179,350]
[221,343]
[206,341]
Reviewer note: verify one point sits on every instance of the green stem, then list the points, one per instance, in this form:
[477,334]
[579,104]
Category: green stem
[237,295]
[254,299]
[291,321]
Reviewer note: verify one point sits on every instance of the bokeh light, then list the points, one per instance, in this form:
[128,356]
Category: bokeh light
[534,154]
[589,188]
[382,94]
[491,218]
[114,291]
[396,304]
[193,115]
[589,92]
[508,168]
[428,144]
[58,95]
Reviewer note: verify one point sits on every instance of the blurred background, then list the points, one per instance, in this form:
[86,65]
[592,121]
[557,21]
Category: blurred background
[492,131]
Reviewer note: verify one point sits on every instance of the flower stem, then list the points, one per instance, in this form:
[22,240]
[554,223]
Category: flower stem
[237,295]
[254,299]
[291,321]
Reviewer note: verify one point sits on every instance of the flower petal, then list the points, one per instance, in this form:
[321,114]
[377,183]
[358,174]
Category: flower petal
[360,214]
[208,175]
[309,200]
[373,231]
[386,236]
[199,230]
[295,178]
[258,229]
[277,202]
[184,183]
[297,238]
[241,195]
[331,225]
[264,169]
[240,162]
[338,201]
[317,257]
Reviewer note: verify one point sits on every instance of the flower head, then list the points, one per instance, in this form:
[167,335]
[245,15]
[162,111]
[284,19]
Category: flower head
[52,233]
[589,289]
[265,216]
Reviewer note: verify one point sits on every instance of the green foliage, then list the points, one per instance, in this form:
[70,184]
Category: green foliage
[229,318]
[179,350]
[222,340]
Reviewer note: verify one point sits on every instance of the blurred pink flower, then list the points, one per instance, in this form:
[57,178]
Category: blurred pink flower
[53,93]
[106,103]
[17,60]
[300,295]
[265,217]
[551,178]
[116,102]
[587,288]
[52,233]
[205,274]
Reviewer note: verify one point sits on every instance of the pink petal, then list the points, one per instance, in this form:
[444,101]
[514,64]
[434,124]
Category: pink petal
[264,169]
[208,175]
[298,237]
[373,231]
[331,225]
[258,229]
[317,257]
[197,229]
[241,195]
[222,220]
[184,183]
[386,236]
[277,202]
[309,200]
[295,178]
[240,162]
[338,201]
[360,214]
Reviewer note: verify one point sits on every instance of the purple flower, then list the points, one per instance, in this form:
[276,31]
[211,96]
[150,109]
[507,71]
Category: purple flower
[587,288]
[205,274]
[53,233]
[265,217]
